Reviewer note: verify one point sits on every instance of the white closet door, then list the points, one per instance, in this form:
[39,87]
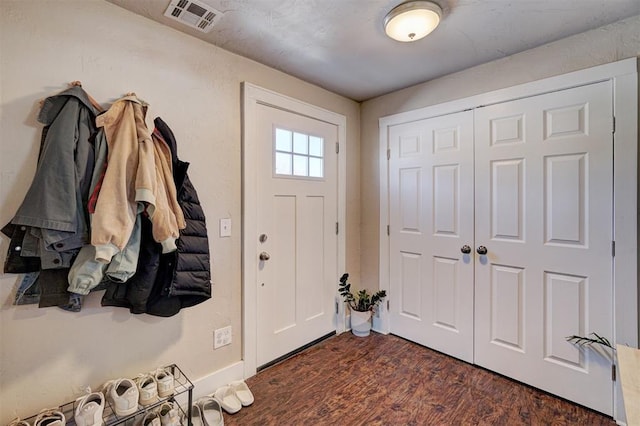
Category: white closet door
[544,212]
[431,211]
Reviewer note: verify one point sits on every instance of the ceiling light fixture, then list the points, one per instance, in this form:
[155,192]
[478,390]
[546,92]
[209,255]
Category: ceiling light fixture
[412,20]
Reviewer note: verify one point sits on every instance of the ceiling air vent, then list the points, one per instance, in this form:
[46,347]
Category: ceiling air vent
[193,13]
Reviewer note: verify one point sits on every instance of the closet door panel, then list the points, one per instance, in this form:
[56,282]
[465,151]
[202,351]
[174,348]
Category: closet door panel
[507,307]
[544,212]
[565,199]
[410,284]
[507,199]
[431,218]
[446,199]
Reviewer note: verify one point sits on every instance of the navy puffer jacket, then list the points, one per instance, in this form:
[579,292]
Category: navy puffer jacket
[184,275]
[165,283]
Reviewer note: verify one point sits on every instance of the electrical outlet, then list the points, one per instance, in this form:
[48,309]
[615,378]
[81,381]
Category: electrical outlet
[222,337]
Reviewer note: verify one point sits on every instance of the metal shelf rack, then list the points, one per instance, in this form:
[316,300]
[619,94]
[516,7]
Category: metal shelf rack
[182,385]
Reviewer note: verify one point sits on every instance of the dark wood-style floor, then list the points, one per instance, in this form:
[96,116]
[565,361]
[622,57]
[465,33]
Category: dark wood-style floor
[385,380]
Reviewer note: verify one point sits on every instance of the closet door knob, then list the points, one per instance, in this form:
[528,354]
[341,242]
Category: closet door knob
[482,250]
[465,249]
[264,256]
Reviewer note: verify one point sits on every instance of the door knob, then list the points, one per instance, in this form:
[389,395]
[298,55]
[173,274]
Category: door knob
[264,256]
[482,250]
[465,249]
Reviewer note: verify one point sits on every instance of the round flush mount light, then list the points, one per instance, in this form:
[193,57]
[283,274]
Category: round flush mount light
[412,20]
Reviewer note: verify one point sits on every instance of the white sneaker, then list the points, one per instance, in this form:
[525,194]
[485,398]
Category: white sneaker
[89,409]
[169,414]
[165,382]
[148,389]
[150,419]
[123,394]
[50,417]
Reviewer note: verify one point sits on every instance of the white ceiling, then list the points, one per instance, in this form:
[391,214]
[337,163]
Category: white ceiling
[340,44]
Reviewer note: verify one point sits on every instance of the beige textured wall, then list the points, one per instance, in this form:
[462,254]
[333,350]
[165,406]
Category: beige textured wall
[610,43]
[48,355]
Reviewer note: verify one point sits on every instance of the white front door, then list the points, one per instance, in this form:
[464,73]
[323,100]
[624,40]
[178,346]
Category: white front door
[431,211]
[544,179]
[296,217]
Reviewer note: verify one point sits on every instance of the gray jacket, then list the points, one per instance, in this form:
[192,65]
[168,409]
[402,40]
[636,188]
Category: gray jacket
[54,208]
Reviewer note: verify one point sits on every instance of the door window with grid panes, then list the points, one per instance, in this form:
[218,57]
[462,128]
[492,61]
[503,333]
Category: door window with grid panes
[298,154]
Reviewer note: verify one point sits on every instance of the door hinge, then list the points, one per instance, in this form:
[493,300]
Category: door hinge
[613,372]
[336,307]
[337,228]
[388,305]
[388,154]
[614,125]
[388,230]
[613,249]
[337,147]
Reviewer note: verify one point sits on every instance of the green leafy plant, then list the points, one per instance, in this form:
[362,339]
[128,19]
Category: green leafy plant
[362,301]
[597,339]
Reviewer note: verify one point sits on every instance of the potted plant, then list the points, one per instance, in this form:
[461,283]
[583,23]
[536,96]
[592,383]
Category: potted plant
[361,305]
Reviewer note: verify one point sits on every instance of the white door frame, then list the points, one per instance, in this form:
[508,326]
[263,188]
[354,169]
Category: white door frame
[624,75]
[253,96]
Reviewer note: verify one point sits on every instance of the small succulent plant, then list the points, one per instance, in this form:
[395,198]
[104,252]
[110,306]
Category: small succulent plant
[362,301]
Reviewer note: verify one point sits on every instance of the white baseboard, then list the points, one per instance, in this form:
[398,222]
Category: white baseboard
[208,384]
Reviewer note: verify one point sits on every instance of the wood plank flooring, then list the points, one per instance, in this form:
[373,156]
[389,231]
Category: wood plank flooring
[385,380]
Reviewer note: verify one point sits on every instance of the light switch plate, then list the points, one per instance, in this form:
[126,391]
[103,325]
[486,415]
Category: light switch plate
[225,227]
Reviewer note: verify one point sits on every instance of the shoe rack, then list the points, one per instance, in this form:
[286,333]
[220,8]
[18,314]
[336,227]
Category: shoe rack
[182,385]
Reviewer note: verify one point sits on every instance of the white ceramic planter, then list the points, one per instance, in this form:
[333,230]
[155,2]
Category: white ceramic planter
[361,323]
